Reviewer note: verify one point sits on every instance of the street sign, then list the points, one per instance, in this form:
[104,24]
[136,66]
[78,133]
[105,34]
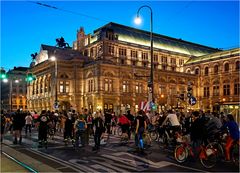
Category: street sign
[192,100]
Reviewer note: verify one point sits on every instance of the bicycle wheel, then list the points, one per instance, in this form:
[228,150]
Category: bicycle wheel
[219,147]
[180,154]
[235,154]
[119,131]
[208,157]
[154,135]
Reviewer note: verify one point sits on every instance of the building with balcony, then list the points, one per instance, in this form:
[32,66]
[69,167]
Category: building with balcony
[108,70]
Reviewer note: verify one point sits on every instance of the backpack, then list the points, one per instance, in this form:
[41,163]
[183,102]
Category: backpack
[81,125]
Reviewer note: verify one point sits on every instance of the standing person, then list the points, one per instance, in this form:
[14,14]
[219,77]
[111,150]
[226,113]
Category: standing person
[43,120]
[68,127]
[28,123]
[99,128]
[89,125]
[18,123]
[130,117]
[141,126]
[80,127]
[3,122]
[114,123]
[108,118]
[233,129]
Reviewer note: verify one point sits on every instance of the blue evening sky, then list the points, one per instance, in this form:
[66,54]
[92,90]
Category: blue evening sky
[26,25]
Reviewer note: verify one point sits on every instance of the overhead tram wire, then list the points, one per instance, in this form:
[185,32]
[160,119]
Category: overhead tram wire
[67,11]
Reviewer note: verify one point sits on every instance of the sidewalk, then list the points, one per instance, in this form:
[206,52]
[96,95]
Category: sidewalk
[7,165]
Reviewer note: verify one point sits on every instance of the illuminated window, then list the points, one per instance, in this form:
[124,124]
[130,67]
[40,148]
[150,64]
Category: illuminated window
[206,92]
[125,86]
[64,86]
[139,88]
[67,86]
[61,87]
[216,90]
[108,85]
[226,89]
[90,85]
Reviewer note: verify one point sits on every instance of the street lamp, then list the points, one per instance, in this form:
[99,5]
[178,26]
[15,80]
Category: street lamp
[53,58]
[138,21]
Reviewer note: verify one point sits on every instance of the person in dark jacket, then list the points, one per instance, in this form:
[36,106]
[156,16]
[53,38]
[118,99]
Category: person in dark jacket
[68,127]
[99,129]
[18,124]
[196,130]
[43,120]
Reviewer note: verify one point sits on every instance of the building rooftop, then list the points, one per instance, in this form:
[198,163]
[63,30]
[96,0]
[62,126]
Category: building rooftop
[214,56]
[141,37]
[60,53]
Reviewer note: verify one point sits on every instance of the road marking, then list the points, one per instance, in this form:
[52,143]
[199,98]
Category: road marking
[97,166]
[65,163]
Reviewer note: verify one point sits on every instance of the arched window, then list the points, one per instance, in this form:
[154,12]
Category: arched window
[226,67]
[189,71]
[237,65]
[197,71]
[206,71]
[215,69]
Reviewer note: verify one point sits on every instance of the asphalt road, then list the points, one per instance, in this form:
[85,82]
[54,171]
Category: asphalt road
[112,157]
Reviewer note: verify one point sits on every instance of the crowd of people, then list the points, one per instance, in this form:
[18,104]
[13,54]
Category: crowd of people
[79,127]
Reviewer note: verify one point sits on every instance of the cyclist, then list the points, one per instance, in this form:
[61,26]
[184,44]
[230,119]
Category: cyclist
[124,124]
[232,127]
[174,123]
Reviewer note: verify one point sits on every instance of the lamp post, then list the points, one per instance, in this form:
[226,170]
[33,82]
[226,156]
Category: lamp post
[138,21]
[53,58]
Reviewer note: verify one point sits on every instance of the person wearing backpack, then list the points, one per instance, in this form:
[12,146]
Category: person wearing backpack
[80,127]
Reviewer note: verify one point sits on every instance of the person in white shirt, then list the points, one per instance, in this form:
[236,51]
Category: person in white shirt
[173,119]
[28,123]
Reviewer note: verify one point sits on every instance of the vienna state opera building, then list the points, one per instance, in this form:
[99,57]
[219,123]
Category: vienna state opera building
[109,70]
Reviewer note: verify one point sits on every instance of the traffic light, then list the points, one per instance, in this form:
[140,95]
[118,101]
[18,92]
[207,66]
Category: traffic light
[30,77]
[3,74]
[189,91]
[153,106]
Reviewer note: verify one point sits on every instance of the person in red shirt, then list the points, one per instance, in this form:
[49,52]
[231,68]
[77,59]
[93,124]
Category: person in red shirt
[124,123]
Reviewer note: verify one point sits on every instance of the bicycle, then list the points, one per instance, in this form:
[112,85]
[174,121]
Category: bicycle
[220,143]
[207,154]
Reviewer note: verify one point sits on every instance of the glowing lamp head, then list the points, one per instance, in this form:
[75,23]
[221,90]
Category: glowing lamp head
[53,58]
[5,80]
[138,20]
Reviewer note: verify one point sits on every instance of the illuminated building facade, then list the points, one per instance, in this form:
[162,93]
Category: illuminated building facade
[13,92]
[108,70]
[218,80]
